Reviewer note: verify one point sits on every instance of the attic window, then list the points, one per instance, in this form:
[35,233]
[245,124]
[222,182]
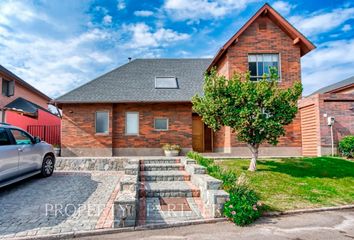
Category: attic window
[166,82]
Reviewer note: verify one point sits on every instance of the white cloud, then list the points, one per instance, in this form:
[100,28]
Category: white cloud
[202,9]
[107,19]
[329,63]
[143,36]
[283,7]
[121,5]
[346,28]
[101,9]
[25,13]
[321,22]
[143,13]
[52,64]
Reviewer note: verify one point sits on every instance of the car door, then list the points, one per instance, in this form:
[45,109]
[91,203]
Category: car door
[29,153]
[9,156]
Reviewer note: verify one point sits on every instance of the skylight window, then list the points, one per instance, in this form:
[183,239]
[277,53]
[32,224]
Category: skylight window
[166,82]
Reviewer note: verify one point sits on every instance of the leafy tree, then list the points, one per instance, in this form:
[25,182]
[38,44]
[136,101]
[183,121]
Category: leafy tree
[256,111]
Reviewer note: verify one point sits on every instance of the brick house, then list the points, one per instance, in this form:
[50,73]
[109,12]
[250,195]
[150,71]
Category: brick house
[23,105]
[137,107]
[336,100]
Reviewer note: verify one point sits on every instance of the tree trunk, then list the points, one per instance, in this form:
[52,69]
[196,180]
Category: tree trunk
[254,151]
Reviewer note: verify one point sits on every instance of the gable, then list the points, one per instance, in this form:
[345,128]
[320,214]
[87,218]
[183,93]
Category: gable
[265,14]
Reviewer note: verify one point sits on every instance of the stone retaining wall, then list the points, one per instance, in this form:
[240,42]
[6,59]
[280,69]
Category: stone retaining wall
[90,163]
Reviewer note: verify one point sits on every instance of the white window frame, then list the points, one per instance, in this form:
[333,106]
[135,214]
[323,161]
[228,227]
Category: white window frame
[161,118]
[261,77]
[102,133]
[126,124]
[161,77]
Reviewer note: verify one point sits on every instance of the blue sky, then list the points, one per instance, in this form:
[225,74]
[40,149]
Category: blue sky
[59,45]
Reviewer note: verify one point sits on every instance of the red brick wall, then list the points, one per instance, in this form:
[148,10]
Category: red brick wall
[341,107]
[78,126]
[271,40]
[21,91]
[180,125]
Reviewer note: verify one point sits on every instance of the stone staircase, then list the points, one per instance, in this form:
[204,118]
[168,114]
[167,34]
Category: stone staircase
[167,190]
[165,178]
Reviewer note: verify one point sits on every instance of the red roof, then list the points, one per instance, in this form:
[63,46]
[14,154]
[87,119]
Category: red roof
[305,44]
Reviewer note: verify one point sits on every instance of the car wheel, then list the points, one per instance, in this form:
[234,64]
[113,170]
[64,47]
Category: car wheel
[48,166]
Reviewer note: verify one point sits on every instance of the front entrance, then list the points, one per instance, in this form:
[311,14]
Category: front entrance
[202,135]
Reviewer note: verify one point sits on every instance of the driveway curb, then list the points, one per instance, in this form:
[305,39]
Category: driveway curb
[309,210]
[171,225]
[119,230]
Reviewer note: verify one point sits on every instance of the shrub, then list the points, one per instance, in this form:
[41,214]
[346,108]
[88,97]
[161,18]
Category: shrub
[346,146]
[243,207]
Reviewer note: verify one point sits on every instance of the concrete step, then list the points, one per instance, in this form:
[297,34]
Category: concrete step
[206,182]
[160,161]
[153,176]
[166,189]
[161,167]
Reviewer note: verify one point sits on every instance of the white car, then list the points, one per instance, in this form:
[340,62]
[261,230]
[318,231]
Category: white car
[23,156]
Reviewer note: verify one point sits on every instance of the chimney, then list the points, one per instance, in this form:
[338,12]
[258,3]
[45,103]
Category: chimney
[129,59]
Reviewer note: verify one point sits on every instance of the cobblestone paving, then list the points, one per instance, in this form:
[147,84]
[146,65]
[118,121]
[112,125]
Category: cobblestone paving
[64,202]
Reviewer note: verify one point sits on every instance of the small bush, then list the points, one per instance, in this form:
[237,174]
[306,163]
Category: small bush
[243,207]
[346,146]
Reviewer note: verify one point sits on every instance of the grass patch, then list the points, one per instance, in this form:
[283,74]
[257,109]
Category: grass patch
[294,183]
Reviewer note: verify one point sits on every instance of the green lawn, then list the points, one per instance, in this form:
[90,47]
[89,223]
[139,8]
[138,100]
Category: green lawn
[294,183]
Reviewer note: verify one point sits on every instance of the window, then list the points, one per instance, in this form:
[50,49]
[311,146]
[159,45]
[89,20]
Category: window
[132,123]
[102,122]
[259,64]
[161,124]
[4,138]
[21,137]
[166,82]
[8,88]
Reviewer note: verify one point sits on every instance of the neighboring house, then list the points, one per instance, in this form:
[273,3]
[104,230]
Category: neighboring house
[145,103]
[336,100]
[23,105]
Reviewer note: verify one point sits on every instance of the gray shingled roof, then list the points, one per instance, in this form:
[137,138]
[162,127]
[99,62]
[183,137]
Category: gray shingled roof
[335,86]
[135,82]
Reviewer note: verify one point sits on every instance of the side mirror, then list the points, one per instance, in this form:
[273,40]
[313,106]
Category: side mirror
[37,140]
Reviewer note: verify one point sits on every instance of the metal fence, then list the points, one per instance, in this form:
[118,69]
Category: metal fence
[48,133]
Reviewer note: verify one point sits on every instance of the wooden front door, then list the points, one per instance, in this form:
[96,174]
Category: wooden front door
[208,139]
[197,134]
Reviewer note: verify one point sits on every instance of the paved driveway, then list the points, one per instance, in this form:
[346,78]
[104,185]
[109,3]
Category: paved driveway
[64,202]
